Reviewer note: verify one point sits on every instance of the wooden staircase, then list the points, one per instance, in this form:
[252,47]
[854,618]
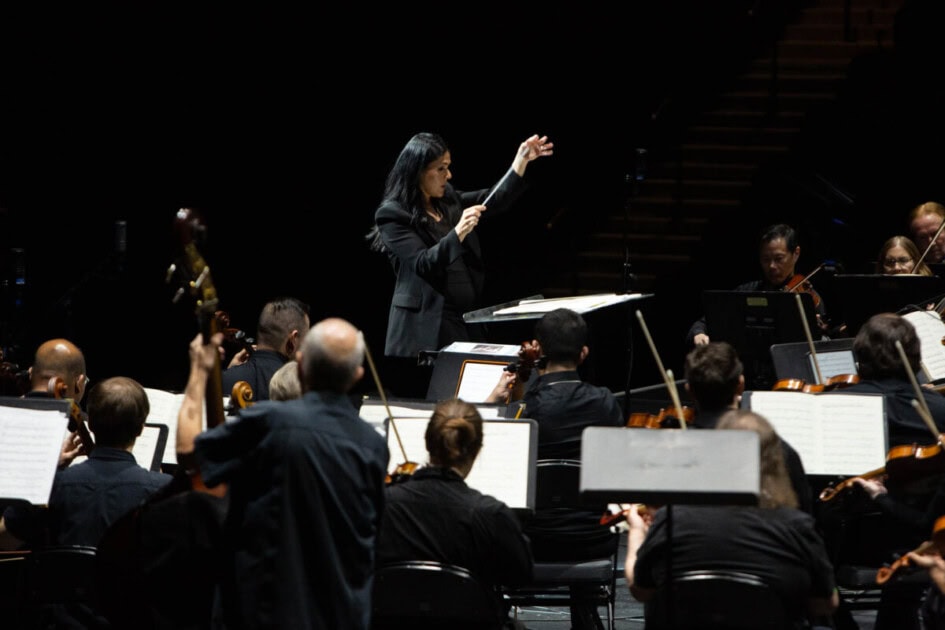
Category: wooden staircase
[707,172]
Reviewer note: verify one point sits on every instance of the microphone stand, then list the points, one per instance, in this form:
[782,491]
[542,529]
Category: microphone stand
[629,279]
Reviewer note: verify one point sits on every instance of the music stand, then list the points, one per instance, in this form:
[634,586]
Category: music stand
[753,321]
[863,295]
[670,466]
[609,329]
[793,360]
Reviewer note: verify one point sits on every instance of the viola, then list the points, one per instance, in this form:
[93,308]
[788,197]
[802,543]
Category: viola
[799,385]
[904,463]
[935,545]
[529,358]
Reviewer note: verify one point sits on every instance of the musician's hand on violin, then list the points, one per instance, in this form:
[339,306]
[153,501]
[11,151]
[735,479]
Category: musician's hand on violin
[239,358]
[701,339]
[503,389]
[72,447]
[873,486]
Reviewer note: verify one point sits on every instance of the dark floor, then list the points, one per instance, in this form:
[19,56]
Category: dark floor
[628,611]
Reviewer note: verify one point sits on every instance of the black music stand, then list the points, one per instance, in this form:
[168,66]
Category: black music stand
[793,360]
[609,328]
[670,466]
[863,295]
[753,321]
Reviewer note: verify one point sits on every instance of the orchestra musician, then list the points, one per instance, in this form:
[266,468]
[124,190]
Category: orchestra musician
[778,254]
[774,540]
[872,537]
[715,380]
[282,324]
[306,488]
[62,359]
[427,229]
[925,220]
[433,515]
[285,384]
[564,405]
[900,255]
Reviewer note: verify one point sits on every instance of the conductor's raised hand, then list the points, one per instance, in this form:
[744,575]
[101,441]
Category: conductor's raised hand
[531,149]
[469,221]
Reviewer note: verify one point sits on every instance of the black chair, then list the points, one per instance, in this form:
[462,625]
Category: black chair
[13,573]
[719,600]
[566,583]
[61,588]
[426,595]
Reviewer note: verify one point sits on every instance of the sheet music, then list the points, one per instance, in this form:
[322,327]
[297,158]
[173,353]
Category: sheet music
[146,445]
[833,363]
[834,434]
[930,329]
[164,409]
[32,440]
[375,413]
[467,347]
[503,468]
[580,303]
[478,379]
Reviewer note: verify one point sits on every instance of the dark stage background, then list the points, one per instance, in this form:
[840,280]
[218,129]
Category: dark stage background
[279,128]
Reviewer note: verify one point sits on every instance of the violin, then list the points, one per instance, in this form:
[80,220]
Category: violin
[57,389]
[799,385]
[935,545]
[668,417]
[406,468]
[529,358]
[801,284]
[677,411]
[612,519]
[234,336]
[241,395]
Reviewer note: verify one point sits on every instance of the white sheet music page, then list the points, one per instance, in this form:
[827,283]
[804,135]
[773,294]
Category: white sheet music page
[931,330]
[164,409]
[502,467]
[478,379]
[580,303]
[32,440]
[834,434]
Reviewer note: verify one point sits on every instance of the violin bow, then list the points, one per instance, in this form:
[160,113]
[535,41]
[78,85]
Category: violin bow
[929,248]
[380,390]
[919,403]
[667,375]
[800,284]
[810,338]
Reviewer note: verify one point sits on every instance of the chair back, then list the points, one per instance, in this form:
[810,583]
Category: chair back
[557,484]
[61,584]
[719,600]
[427,595]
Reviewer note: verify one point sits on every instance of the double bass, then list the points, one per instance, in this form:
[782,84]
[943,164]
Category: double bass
[198,284]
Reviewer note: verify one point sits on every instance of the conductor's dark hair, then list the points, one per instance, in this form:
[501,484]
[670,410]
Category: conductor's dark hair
[561,333]
[117,408]
[779,230]
[712,372]
[454,433]
[403,181]
[874,347]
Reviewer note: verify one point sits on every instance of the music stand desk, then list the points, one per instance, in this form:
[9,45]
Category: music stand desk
[670,466]
[863,295]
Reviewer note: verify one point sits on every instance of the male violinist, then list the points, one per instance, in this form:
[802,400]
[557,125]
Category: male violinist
[778,253]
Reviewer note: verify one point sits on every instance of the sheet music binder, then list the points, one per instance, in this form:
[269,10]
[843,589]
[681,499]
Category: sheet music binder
[33,443]
[670,466]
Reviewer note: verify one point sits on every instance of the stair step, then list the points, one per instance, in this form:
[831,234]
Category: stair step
[759,100]
[717,134]
[713,188]
[722,117]
[796,81]
[731,154]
